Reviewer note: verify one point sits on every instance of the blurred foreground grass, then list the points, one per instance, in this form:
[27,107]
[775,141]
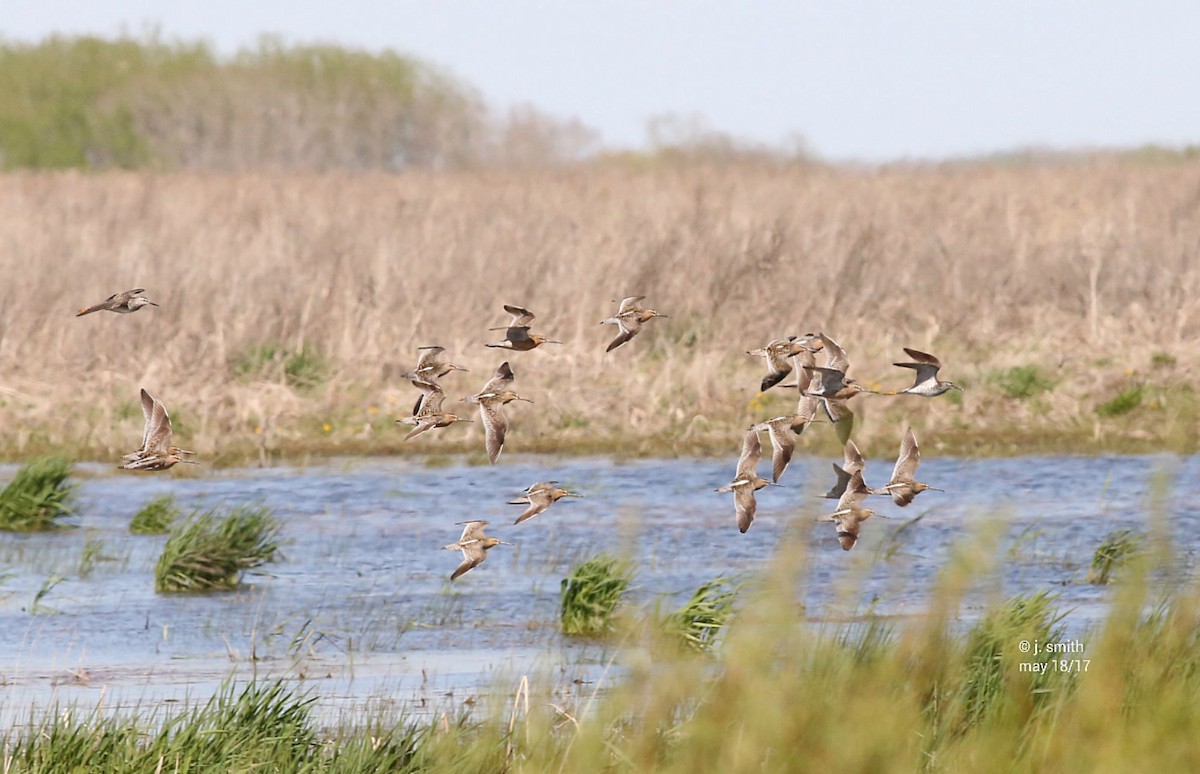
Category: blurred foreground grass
[1015,690]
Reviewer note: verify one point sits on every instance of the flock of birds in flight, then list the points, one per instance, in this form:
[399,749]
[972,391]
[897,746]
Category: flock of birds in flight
[826,387]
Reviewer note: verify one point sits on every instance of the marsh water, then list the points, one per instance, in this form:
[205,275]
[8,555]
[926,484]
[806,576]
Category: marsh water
[358,608]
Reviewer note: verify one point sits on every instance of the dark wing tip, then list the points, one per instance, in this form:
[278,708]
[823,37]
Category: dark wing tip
[770,380]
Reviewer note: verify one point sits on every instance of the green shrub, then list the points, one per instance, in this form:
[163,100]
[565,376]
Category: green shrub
[210,553]
[37,497]
[1125,401]
[89,103]
[156,517]
[1162,360]
[1021,382]
[305,368]
[256,361]
[591,594]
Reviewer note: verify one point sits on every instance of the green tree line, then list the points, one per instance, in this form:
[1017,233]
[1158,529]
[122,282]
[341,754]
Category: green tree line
[90,103]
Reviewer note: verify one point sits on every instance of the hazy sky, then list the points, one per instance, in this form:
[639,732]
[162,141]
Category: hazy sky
[872,80]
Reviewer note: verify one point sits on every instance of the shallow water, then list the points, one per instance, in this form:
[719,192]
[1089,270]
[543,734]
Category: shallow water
[360,609]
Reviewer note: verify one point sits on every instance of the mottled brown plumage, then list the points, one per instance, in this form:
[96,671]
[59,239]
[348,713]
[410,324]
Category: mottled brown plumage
[121,303]
[539,497]
[778,355]
[629,319]
[852,462]
[850,514]
[431,367]
[904,487]
[926,383]
[430,413]
[474,546]
[746,480]
[517,336]
[830,384]
[156,453]
[494,395]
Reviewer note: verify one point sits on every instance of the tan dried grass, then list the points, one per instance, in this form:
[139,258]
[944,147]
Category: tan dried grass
[1083,270]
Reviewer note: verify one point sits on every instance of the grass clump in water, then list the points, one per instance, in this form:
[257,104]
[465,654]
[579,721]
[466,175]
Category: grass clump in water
[37,497]
[156,517]
[1022,382]
[1122,403]
[591,594]
[209,552]
[1115,550]
[699,623]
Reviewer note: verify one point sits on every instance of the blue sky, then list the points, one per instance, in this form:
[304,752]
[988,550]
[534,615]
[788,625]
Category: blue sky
[872,80]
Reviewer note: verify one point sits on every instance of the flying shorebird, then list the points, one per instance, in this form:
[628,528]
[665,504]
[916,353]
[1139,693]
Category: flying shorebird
[807,405]
[927,385]
[121,303]
[903,487]
[778,355]
[151,419]
[850,514]
[782,432]
[852,462]
[431,368]
[494,395]
[430,364]
[539,497]
[474,546]
[156,453]
[430,414]
[517,336]
[746,481]
[835,387]
[629,319]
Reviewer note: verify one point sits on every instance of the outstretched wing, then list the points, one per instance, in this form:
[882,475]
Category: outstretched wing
[924,358]
[521,317]
[472,530]
[852,459]
[428,359]
[751,453]
[501,380]
[839,489]
[835,356]
[831,380]
[539,500]
[629,328]
[908,460]
[517,334]
[147,417]
[783,444]
[473,555]
[431,397]
[426,423]
[856,492]
[159,438]
[629,305]
[495,426]
[745,505]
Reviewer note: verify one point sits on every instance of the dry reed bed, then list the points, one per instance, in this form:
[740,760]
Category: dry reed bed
[1090,272]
